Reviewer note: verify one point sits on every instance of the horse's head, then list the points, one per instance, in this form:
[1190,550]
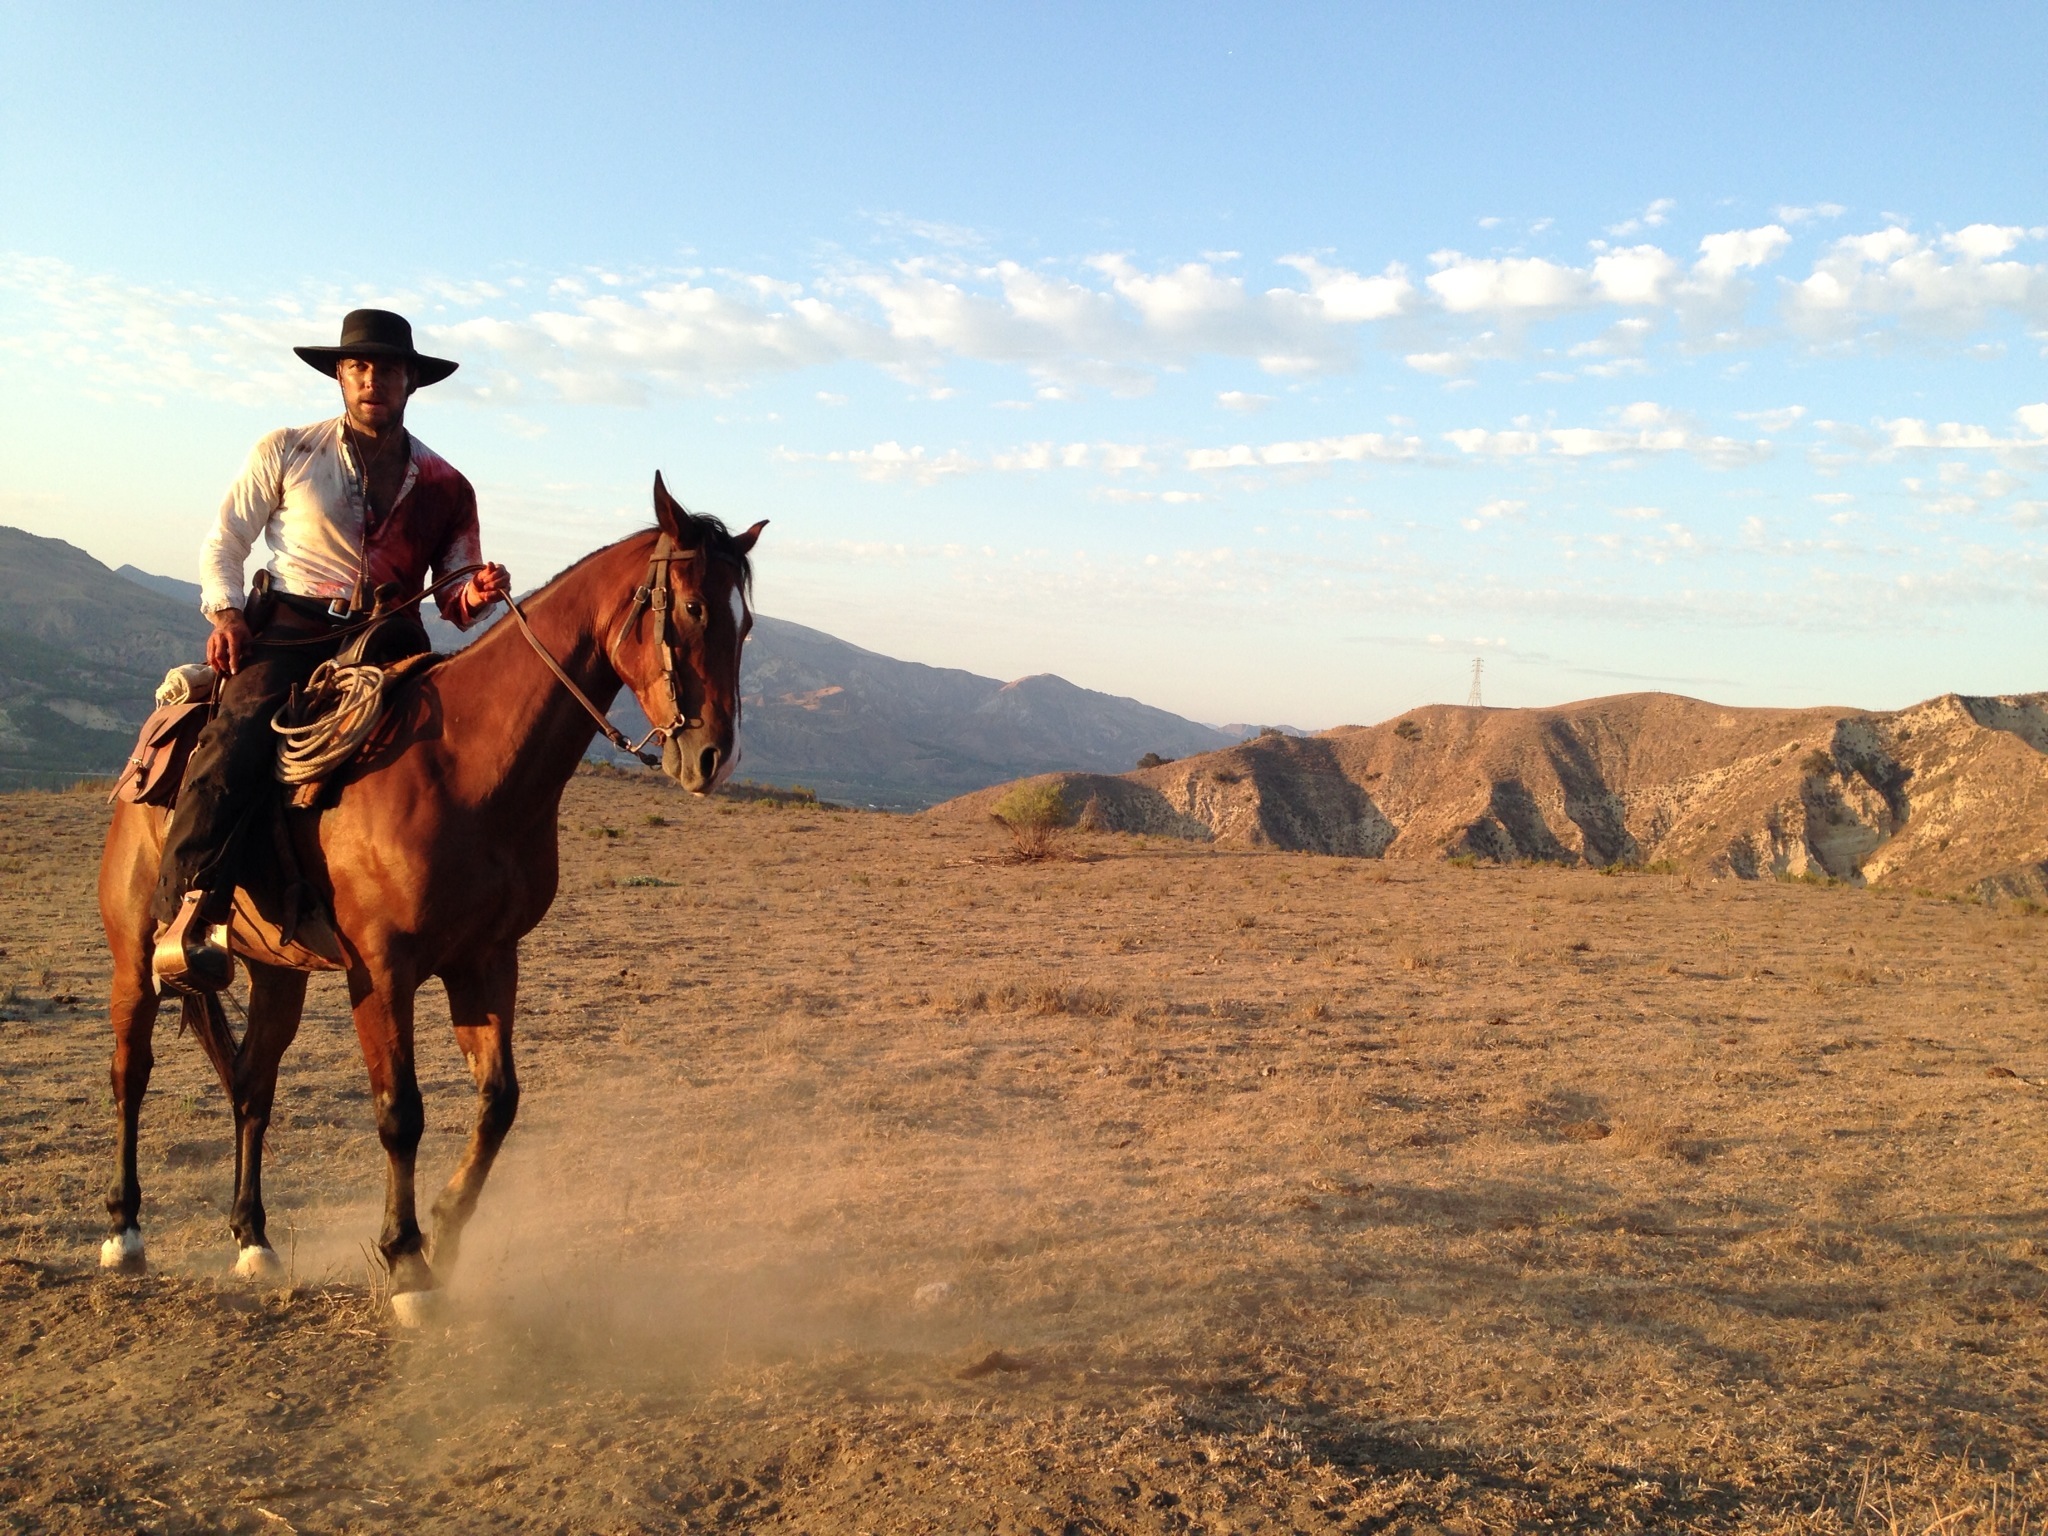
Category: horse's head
[679,650]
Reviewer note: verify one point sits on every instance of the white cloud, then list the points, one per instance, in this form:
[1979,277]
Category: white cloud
[1238,400]
[1493,511]
[1911,433]
[1782,419]
[1123,494]
[1479,442]
[1624,338]
[1347,298]
[1641,274]
[1788,214]
[1467,285]
[1739,250]
[1443,364]
[1355,448]
[1651,217]
[1893,273]
[1984,242]
[1644,427]
[891,461]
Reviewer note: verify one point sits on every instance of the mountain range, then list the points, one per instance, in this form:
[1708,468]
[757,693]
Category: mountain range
[82,647]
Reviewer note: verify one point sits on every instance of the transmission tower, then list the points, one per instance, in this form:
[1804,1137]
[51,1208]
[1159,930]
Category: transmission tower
[1472,698]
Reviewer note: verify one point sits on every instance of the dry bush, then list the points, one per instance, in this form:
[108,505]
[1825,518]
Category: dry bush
[1649,1135]
[1036,817]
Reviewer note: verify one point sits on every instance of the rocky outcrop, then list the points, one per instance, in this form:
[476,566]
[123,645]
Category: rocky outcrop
[1949,794]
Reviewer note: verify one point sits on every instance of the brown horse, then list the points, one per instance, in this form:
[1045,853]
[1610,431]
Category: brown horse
[439,855]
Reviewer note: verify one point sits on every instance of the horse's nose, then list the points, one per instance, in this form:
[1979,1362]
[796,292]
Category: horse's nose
[707,764]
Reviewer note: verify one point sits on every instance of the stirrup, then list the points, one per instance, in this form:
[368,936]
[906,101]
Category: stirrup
[192,955]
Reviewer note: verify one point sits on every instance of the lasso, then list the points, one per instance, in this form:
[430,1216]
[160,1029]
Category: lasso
[310,752]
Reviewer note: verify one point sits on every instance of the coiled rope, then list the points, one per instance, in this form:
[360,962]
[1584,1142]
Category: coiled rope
[311,751]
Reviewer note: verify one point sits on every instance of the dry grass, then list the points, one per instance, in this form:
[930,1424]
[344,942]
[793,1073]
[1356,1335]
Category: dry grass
[1428,1199]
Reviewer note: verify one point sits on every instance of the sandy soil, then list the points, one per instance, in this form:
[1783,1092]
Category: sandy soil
[863,1183]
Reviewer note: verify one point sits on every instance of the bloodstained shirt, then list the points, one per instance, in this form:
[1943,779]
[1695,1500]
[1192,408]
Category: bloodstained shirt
[302,493]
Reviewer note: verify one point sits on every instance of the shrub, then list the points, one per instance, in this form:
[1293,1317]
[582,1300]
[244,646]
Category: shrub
[1035,815]
[1153,760]
[1817,764]
[1408,730]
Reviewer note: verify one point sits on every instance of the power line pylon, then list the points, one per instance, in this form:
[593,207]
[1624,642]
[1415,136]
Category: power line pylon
[1472,698]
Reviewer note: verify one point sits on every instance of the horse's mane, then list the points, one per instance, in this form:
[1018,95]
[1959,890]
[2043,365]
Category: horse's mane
[711,535]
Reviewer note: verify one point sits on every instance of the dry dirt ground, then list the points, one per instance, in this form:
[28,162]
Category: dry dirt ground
[863,1183]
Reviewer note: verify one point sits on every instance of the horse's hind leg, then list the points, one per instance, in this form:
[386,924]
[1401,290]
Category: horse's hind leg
[480,999]
[277,998]
[133,1011]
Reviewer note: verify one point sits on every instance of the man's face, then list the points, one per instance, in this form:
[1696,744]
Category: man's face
[374,391]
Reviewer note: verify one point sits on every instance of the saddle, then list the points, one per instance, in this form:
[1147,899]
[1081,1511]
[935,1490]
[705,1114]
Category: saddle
[278,917]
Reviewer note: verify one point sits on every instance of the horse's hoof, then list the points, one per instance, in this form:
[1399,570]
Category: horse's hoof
[123,1251]
[259,1262]
[416,1309]
[411,1272]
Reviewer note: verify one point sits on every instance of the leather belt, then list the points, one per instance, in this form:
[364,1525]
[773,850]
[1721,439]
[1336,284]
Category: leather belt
[312,608]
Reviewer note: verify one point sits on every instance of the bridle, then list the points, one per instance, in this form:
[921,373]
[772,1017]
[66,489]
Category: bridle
[651,596]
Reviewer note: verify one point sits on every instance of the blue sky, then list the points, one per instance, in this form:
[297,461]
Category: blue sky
[1264,363]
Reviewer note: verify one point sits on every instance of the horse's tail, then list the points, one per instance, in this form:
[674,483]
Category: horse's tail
[204,1016]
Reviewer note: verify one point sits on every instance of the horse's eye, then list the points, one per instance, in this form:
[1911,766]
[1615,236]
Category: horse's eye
[694,610]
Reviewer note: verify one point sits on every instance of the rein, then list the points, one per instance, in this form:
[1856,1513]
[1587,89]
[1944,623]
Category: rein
[611,732]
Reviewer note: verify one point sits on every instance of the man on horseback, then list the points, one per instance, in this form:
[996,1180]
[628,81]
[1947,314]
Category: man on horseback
[356,512]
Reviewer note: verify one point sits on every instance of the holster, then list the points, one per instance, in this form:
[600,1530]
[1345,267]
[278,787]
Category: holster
[261,607]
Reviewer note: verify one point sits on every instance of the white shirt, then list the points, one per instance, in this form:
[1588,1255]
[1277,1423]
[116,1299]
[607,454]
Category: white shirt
[302,493]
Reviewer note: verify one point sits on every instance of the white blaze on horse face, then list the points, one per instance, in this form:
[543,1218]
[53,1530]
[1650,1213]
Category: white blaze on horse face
[739,611]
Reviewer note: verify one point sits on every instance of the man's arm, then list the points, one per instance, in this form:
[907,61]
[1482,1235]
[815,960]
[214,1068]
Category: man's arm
[251,502]
[464,605]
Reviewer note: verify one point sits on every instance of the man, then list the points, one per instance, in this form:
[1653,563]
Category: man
[350,507]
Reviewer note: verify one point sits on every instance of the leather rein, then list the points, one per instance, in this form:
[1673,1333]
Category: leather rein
[652,595]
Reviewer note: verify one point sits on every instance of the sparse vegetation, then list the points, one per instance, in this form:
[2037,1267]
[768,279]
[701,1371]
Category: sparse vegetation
[1153,760]
[1408,730]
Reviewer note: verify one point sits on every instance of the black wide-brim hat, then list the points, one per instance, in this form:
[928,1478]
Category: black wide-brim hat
[378,333]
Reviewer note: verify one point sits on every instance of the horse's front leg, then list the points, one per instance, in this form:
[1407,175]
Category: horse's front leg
[481,996]
[132,1009]
[383,1014]
[277,998]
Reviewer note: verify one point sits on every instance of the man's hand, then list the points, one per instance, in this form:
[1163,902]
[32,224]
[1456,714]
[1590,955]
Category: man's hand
[228,646]
[486,587]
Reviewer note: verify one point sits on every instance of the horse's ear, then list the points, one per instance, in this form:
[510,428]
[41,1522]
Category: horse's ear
[668,512]
[744,542]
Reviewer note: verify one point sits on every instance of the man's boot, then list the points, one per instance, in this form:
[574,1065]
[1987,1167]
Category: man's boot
[192,954]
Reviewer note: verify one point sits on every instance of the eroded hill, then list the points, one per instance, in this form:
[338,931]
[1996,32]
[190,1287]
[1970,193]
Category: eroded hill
[1948,793]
